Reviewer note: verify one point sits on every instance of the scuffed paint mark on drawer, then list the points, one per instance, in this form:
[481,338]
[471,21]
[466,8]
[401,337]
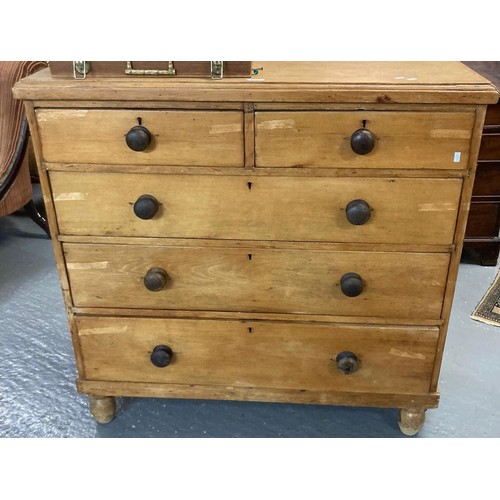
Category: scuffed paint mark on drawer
[405,354]
[446,133]
[106,329]
[53,114]
[436,207]
[71,197]
[226,128]
[87,265]
[276,124]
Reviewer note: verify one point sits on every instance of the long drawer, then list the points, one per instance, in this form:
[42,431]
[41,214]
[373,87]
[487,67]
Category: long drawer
[389,284]
[257,354]
[411,211]
[401,139]
[199,138]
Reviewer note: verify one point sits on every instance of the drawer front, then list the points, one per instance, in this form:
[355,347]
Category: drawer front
[483,220]
[394,285]
[402,139]
[490,147]
[258,354]
[411,211]
[199,138]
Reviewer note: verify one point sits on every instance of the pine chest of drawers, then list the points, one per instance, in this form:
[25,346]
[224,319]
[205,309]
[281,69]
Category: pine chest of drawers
[293,236]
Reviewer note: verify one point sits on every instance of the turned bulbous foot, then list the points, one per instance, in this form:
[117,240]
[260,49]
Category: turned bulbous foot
[102,408]
[411,420]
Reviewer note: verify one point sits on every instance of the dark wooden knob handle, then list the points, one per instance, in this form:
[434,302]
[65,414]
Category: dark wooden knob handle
[156,279]
[347,362]
[351,284]
[146,207]
[138,138]
[161,356]
[362,141]
[358,212]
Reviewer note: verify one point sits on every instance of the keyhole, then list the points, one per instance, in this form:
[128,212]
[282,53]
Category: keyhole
[139,119]
[250,329]
[249,184]
[364,123]
[249,256]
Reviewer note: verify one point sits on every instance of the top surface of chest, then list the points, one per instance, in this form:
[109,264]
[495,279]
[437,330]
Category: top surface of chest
[363,82]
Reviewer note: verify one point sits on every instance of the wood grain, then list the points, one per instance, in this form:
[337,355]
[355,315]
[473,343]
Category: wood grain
[253,235]
[132,104]
[212,138]
[302,396]
[268,355]
[253,316]
[262,244]
[54,232]
[322,139]
[404,211]
[459,238]
[102,408]
[397,285]
[261,106]
[249,130]
[320,172]
[369,82]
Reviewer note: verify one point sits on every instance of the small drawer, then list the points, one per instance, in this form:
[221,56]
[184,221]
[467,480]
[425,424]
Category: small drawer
[258,354]
[407,211]
[490,147]
[195,138]
[398,140]
[364,284]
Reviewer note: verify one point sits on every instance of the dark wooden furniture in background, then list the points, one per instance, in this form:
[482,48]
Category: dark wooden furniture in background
[482,244]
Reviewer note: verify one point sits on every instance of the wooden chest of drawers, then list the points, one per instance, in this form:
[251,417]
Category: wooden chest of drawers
[294,236]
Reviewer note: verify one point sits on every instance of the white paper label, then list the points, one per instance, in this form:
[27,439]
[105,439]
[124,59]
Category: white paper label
[456,157]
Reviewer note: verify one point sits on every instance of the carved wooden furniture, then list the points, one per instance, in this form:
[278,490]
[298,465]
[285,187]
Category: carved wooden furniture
[482,242]
[293,236]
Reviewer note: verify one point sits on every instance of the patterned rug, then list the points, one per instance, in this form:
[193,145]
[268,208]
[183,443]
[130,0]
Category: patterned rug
[488,310]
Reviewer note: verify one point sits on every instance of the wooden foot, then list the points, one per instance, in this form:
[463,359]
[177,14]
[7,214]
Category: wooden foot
[411,420]
[102,408]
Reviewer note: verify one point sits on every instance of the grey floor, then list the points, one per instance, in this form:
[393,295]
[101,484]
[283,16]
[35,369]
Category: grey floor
[37,371]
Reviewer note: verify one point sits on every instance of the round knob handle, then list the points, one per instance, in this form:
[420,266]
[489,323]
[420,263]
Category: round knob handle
[161,356]
[351,284]
[362,141]
[347,362]
[155,279]
[138,138]
[358,212]
[146,206]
